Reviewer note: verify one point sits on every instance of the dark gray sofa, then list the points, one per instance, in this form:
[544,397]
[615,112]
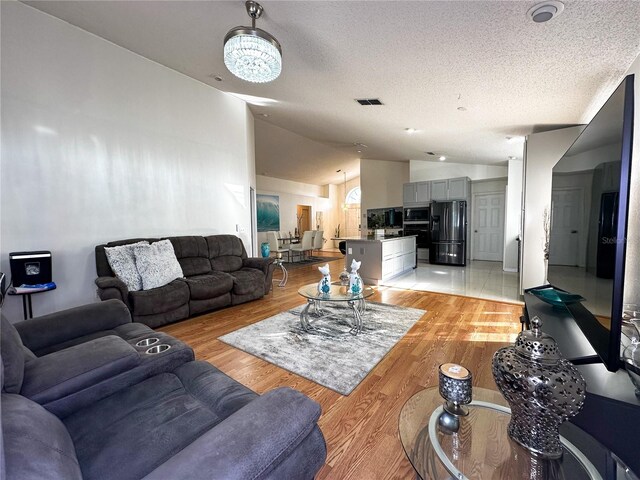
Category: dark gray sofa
[78,356]
[217,270]
[187,421]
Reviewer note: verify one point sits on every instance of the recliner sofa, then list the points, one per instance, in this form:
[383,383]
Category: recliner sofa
[217,271]
[80,355]
[187,421]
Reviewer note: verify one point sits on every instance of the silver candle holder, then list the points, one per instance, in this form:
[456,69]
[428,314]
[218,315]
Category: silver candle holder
[455,388]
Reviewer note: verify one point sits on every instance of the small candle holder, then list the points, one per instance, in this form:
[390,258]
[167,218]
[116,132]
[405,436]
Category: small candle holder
[455,388]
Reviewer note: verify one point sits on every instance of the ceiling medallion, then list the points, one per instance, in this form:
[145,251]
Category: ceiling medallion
[250,53]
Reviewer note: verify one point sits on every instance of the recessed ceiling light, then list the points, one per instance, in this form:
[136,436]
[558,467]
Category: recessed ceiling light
[511,157]
[462,109]
[410,130]
[430,153]
[339,170]
[545,11]
[359,151]
[442,158]
[265,115]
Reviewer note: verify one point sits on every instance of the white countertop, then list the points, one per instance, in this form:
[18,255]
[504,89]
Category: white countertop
[374,238]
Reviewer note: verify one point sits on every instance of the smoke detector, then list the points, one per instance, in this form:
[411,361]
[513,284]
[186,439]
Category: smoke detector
[545,11]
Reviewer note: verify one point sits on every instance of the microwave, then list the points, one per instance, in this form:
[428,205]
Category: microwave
[416,214]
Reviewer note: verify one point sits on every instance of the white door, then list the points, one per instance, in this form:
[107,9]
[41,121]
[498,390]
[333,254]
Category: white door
[566,226]
[488,227]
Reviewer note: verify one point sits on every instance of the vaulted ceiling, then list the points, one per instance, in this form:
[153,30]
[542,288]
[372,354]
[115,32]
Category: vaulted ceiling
[464,74]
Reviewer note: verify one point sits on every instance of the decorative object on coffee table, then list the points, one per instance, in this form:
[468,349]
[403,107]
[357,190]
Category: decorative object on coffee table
[455,388]
[265,250]
[344,277]
[542,388]
[324,285]
[355,282]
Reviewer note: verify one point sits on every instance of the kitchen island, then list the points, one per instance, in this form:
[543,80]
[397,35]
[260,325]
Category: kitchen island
[382,257]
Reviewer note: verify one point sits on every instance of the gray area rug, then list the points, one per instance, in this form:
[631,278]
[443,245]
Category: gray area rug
[328,355]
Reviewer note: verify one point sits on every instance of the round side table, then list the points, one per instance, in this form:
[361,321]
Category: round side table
[481,447]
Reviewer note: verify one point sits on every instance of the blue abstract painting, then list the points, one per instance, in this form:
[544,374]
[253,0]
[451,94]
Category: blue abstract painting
[268,211]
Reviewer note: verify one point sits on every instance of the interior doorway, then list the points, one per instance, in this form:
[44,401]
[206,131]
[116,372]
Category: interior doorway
[488,227]
[303,218]
[566,227]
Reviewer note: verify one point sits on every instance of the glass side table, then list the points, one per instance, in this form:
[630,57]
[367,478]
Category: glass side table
[481,448]
[285,275]
[337,293]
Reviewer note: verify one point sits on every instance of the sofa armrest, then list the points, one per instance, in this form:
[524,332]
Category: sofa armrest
[249,443]
[258,263]
[41,332]
[112,287]
[265,265]
[76,368]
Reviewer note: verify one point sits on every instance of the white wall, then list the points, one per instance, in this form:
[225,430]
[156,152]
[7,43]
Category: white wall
[423,170]
[513,216]
[291,194]
[381,183]
[101,144]
[543,150]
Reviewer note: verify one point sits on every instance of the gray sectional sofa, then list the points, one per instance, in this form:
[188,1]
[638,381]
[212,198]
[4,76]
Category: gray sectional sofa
[181,419]
[217,270]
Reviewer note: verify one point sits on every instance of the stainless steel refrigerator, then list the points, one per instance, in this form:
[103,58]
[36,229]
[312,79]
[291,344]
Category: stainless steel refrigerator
[448,233]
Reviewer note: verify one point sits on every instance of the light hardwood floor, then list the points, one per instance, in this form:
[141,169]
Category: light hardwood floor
[361,429]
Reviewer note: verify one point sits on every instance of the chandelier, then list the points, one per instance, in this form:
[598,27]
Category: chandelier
[251,53]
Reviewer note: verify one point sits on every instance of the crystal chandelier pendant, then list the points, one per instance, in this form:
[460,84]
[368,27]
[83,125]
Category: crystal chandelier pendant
[251,53]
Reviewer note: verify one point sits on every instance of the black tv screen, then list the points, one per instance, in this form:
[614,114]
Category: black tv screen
[589,210]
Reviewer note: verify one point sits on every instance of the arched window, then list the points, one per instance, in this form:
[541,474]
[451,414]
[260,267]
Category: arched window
[353,197]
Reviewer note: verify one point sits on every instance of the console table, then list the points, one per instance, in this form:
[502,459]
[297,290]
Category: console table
[481,448]
[611,411]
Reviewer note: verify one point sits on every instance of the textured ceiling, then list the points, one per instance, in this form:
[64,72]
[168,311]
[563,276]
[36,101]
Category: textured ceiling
[422,59]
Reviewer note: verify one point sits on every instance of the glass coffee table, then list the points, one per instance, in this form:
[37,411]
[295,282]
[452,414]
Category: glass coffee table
[337,294]
[480,447]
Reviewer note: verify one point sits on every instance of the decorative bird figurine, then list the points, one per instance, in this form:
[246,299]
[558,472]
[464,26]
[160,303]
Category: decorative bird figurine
[355,282]
[324,285]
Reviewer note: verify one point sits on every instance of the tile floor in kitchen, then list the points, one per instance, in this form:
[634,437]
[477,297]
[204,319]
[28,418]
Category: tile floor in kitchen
[478,279]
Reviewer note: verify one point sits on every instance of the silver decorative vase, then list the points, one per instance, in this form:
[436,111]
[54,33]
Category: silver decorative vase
[542,388]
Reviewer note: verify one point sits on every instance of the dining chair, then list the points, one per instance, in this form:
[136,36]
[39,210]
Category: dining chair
[305,245]
[272,237]
[318,241]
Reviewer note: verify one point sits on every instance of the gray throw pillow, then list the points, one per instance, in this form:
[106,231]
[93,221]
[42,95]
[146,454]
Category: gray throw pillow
[157,264]
[123,263]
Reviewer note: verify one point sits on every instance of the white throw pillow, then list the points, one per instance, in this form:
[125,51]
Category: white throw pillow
[157,264]
[123,263]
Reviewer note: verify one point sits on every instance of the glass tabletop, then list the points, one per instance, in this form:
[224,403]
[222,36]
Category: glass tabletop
[481,447]
[338,293]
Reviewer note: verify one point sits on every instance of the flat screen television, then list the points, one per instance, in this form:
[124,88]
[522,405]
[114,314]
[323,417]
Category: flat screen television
[589,210]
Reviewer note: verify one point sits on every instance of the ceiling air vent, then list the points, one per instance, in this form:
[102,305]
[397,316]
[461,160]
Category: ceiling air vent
[369,101]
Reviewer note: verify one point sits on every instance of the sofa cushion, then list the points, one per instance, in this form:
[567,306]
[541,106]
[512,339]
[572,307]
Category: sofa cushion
[13,356]
[36,443]
[157,264]
[159,416]
[248,280]
[126,332]
[214,284]
[67,371]
[122,261]
[193,254]
[225,252]
[161,299]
